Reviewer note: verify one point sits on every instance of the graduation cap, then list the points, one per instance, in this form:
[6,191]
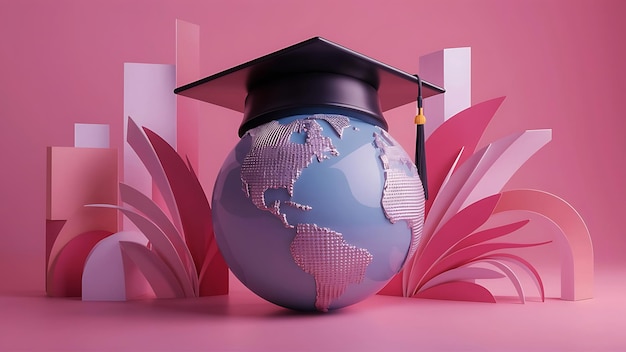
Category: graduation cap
[309,76]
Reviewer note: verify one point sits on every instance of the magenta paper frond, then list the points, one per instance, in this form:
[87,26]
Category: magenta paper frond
[466,188]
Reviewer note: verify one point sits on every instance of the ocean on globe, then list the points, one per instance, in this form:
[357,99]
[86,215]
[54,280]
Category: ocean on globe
[317,212]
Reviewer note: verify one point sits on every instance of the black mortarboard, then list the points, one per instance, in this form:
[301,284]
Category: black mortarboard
[312,74]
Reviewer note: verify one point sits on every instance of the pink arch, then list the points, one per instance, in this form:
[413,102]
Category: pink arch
[577,260]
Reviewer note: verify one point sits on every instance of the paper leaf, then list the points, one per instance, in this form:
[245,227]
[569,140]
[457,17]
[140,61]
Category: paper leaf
[487,235]
[577,249]
[469,254]
[462,130]
[140,144]
[461,225]
[524,264]
[461,274]
[161,278]
[191,201]
[512,277]
[161,245]
[507,155]
[458,291]
[146,206]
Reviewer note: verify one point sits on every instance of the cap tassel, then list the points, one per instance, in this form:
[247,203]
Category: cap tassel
[420,149]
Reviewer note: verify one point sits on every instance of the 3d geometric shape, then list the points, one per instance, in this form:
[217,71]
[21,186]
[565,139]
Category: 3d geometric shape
[452,69]
[79,176]
[76,177]
[187,69]
[91,135]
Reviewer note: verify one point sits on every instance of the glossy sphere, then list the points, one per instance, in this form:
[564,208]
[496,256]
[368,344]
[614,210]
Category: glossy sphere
[317,212]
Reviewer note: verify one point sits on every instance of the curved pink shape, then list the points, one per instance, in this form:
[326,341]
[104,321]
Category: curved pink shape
[192,204]
[523,263]
[64,276]
[577,258]
[487,235]
[137,139]
[460,226]
[469,254]
[84,221]
[152,211]
[458,291]
[465,272]
[161,278]
[105,276]
[462,130]
[161,245]
[512,277]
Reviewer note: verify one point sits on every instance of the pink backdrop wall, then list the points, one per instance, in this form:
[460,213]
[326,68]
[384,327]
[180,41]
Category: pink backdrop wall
[560,64]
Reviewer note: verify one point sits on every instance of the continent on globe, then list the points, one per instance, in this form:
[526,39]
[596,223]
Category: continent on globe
[403,196]
[275,161]
[332,261]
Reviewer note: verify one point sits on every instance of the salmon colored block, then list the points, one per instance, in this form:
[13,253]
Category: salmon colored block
[79,176]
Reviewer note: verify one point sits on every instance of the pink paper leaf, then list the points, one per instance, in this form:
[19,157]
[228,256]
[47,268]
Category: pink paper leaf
[458,291]
[161,278]
[161,245]
[462,130]
[524,264]
[487,235]
[512,277]
[469,254]
[461,225]
[463,273]
[193,206]
[152,211]
[140,144]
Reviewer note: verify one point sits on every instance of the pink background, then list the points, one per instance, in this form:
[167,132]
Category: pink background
[559,62]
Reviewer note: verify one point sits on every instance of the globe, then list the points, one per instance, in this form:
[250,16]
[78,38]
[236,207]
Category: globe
[317,211]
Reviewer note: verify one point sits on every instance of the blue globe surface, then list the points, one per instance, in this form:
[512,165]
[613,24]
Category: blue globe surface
[317,212]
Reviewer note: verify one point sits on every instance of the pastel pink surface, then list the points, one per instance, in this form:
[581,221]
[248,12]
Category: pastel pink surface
[79,176]
[104,273]
[577,264]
